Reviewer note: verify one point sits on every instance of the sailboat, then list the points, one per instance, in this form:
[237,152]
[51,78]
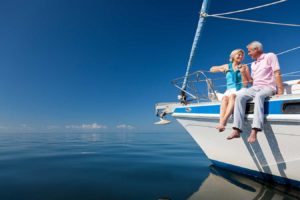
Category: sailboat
[275,156]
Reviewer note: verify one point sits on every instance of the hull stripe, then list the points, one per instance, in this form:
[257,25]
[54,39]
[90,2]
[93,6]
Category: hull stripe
[271,107]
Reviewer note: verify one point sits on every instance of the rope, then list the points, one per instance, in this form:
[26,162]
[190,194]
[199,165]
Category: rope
[248,9]
[290,73]
[254,21]
[287,51]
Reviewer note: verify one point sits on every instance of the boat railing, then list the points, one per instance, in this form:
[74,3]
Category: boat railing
[202,88]
[199,87]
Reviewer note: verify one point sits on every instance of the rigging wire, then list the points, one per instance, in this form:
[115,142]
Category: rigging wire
[221,15]
[248,9]
[291,74]
[254,21]
[287,51]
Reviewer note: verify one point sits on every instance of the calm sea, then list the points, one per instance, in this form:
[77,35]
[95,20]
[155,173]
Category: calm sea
[118,166]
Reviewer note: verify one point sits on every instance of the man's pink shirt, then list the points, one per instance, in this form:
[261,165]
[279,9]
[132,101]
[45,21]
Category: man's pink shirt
[262,70]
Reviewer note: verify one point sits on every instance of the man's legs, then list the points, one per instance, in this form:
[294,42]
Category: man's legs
[259,116]
[239,112]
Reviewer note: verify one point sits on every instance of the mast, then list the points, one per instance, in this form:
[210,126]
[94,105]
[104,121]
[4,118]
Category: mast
[195,43]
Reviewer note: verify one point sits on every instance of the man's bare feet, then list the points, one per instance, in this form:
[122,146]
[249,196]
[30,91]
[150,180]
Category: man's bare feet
[252,137]
[235,134]
[221,127]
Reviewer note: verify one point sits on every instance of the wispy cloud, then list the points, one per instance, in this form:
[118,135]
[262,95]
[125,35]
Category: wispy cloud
[3,127]
[25,127]
[16,127]
[125,126]
[52,127]
[92,126]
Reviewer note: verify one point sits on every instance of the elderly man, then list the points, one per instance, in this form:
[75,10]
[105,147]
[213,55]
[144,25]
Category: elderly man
[266,76]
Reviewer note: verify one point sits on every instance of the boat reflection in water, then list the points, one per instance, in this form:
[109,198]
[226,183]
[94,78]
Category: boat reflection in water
[223,184]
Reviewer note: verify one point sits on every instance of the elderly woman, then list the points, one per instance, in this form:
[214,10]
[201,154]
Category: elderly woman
[237,77]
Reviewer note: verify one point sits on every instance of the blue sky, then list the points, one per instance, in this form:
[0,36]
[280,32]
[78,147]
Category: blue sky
[103,64]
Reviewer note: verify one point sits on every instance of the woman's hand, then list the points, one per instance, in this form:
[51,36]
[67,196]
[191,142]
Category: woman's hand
[214,69]
[221,68]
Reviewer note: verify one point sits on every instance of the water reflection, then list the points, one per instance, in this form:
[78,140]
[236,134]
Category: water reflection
[223,184]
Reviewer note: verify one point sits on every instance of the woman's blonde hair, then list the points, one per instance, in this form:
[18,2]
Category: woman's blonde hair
[234,52]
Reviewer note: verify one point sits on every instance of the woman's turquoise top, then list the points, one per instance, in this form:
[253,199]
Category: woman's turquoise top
[233,78]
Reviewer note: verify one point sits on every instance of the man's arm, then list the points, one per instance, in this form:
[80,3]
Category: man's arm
[279,84]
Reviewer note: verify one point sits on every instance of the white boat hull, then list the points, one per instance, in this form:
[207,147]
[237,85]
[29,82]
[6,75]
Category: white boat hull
[275,155]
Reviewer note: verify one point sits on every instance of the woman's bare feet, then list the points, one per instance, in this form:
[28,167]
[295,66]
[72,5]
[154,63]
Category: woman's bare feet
[235,134]
[221,127]
[252,137]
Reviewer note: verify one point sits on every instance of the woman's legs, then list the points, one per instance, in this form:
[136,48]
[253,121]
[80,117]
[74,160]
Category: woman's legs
[229,109]
[223,108]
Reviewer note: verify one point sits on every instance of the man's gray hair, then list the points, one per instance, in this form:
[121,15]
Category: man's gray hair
[256,44]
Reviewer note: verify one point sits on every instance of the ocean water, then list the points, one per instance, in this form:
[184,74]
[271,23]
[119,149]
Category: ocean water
[119,166]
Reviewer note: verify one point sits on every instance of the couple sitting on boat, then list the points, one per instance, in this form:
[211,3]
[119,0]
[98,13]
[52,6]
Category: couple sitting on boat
[265,72]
